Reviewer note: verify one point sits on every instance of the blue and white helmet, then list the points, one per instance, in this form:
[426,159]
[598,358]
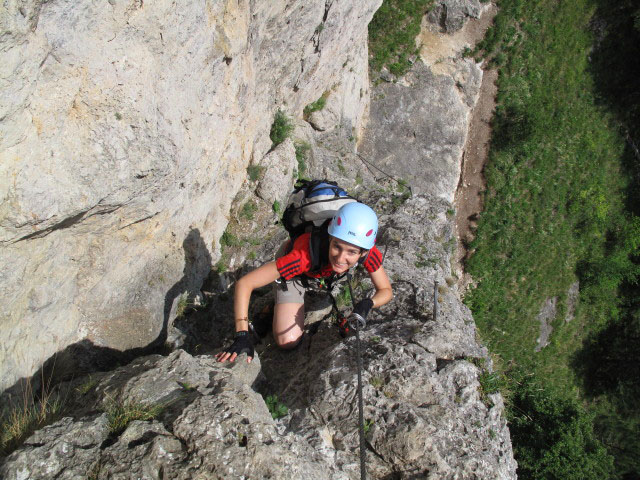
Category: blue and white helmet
[355,223]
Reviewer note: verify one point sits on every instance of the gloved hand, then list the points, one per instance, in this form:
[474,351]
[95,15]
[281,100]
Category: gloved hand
[241,344]
[363,307]
[358,316]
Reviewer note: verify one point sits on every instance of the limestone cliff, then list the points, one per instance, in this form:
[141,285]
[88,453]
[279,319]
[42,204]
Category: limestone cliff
[427,408]
[126,128]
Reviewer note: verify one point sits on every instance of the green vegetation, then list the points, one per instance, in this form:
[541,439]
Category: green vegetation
[87,386]
[343,298]
[276,408]
[228,239]
[254,172]
[368,423]
[560,206]
[491,382]
[281,128]
[392,34]
[183,304]
[302,155]
[276,207]
[248,210]
[377,382]
[553,437]
[18,422]
[315,106]
[121,414]
[221,264]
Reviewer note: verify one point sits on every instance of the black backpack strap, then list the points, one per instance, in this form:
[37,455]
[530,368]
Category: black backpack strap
[319,247]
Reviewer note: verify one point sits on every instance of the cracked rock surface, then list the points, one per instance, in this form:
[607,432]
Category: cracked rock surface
[126,130]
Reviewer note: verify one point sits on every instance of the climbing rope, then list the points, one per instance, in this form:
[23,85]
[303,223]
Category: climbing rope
[363,451]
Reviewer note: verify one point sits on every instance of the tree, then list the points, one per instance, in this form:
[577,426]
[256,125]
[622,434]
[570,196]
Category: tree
[554,438]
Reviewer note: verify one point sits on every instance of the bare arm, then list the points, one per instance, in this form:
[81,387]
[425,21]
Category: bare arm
[381,282]
[257,278]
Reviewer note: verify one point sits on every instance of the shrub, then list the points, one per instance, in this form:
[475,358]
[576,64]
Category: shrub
[281,128]
[276,408]
[254,172]
[553,437]
[228,239]
[315,106]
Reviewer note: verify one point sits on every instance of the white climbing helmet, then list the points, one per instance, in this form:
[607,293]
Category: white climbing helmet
[355,223]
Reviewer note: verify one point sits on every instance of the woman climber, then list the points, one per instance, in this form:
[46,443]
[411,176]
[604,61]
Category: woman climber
[350,240]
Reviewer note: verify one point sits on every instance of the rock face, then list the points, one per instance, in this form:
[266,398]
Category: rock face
[428,413]
[212,425]
[428,110]
[126,128]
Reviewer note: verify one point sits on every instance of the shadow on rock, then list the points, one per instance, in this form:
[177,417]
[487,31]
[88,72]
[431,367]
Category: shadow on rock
[85,357]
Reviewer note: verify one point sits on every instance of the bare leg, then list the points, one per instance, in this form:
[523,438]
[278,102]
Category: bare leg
[288,324]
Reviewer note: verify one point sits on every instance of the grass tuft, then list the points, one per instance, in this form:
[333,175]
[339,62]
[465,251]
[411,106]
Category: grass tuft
[18,422]
[121,414]
[316,106]
[281,128]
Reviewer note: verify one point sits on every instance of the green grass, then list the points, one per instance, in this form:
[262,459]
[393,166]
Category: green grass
[18,422]
[555,202]
[183,304]
[392,33]
[302,155]
[315,106]
[228,239]
[554,187]
[121,414]
[281,128]
[254,172]
[88,385]
[248,210]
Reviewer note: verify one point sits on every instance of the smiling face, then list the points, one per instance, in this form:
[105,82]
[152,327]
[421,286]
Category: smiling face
[343,255]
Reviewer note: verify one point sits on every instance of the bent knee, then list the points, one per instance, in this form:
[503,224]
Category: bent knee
[288,342]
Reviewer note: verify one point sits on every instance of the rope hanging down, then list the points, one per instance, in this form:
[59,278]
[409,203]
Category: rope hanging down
[359,322]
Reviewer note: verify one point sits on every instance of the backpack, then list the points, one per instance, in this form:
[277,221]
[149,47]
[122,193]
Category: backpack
[310,208]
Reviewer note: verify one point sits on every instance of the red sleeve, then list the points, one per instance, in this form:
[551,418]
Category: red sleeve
[373,260]
[297,261]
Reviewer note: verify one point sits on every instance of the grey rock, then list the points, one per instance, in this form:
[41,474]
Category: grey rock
[451,15]
[66,449]
[429,118]
[125,132]
[277,181]
[212,421]
[425,412]
[572,299]
[323,120]
[546,315]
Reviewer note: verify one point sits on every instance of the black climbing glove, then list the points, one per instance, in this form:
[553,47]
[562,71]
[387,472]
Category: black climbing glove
[363,307]
[358,317]
[241,344]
